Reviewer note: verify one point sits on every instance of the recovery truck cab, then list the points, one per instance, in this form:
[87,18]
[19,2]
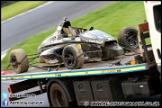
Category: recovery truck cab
[100,83]
[153,14]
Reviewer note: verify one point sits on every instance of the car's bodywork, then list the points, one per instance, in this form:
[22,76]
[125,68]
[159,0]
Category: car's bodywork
[95,44]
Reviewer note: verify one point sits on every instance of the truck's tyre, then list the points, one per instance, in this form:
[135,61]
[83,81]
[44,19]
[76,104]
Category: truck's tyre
[127,38]
[58,96]
[19,61]
[72,56]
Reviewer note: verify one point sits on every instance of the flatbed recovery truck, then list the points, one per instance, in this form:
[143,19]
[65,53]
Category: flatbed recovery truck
[105,81]
[113,80]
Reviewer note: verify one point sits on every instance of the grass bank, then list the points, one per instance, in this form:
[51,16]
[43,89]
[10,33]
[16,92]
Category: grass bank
[110,19]
[18,7]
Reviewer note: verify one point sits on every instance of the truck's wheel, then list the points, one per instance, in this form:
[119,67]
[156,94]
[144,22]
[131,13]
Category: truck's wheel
[58,96]
[127,38]
[19,60]
[70,54]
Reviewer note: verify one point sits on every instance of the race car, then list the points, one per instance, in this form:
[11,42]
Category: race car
[72,46]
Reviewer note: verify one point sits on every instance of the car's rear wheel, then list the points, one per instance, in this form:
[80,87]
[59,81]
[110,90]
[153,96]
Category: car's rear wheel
[73,56]
[127,38]
[19,60]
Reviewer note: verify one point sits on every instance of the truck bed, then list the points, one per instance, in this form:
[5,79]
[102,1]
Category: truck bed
[93,68]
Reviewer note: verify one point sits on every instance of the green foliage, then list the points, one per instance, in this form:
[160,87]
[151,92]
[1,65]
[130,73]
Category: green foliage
[18,7]
[114,17]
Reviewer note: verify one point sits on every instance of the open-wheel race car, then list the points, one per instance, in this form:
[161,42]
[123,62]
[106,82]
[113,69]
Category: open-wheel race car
[70,46]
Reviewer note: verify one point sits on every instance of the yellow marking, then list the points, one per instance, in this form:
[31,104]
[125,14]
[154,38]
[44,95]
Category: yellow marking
[133,62]
[57,74]
[82,30]
[132,69]
[79,45]
[11,78]
[74,73]
[69,34]
[3,78]
[105,71]
[27,77]
[80,73]
[43,76]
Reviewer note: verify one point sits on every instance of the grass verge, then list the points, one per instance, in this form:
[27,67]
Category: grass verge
[18,7]
[110,19]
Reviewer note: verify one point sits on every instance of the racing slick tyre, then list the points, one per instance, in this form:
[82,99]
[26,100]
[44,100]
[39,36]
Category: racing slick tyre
[73,56]
[19,61]
[127,38]
[58,96]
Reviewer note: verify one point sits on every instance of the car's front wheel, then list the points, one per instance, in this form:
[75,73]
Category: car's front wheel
[19,61]
[127,38]
[73,56]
